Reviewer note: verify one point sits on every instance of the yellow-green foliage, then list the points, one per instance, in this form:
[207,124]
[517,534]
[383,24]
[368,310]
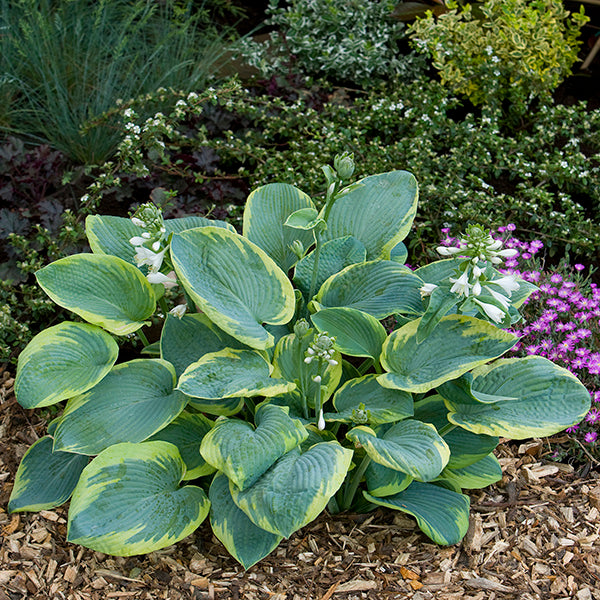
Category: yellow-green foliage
[512,50]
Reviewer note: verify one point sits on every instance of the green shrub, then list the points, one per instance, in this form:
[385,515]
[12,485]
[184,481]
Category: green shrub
[280,395]
[543,176]
[64,63]
[513,50]
[352,41]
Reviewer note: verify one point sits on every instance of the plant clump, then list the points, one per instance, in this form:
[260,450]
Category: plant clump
[274,390]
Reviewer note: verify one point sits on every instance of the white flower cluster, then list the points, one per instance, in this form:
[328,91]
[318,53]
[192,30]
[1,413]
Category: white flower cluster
[151,245]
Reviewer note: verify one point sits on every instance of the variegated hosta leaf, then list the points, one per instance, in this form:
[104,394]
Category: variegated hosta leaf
[243,452]
[316,436]
[548,399]
[110,235]
[399,253]
[63,361]
[478,475]
[383,481]
[455,346]
[129,501]
[234,282]
[186,340]
[356,333]
[222,407]
[295,489]
[246,542]
[380,288]
[442,515]
[103,290]
[410,446]
[231,373]
[186,432]
[289,364]
[294,402]
[466,448]
[379,212]
[45,479]
[362,400]
[135,400]
[461,391]
[441,301]
[334,256]
[266,211]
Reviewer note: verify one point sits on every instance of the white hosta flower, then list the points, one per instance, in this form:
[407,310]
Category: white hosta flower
[137,240]
[168,281]
[145,256]
[427,289]
[500,297]
[321,424]
[448,250]
[476,289]
[461,285]
[509,284]
[138,222]
[178,311]
[493,312]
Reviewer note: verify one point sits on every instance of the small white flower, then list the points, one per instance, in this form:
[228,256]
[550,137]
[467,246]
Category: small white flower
[178,311]
[447,250]
[138,222]
[332,362]
[321,424]
[500,297]
[156,246]
[137,240]
[508,284]
[493,312]
[168,281]
[508,252]
[308,360]
[461,285]
[144,256]
[476,290]
[317,379]
[427,289]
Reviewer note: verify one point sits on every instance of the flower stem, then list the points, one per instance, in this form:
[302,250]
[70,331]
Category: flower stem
[143,337]
[163,306]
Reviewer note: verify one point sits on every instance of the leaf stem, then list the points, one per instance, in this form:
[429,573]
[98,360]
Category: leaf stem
[446,429]
[143,337]
[354,483]
[163,306]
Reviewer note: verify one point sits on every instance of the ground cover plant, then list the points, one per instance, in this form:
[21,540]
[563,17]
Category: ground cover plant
[275,389]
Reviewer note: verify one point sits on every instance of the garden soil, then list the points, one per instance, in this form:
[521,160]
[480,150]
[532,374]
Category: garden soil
[533,536]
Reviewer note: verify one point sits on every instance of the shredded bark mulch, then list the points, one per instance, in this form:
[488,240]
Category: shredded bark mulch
[534,535]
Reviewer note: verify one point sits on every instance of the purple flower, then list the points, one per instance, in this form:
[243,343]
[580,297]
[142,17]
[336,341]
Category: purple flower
[591,437]
[579,267]
[593,416]
[572,429]
[511,227]
[556,278]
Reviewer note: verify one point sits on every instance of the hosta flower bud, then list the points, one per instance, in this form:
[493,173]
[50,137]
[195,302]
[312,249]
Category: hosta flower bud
[344,165]
[493,312]
[297,247]
[178,311]
[321,423]
[301,328]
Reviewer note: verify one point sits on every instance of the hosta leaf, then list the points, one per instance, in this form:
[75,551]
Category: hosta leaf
[265,214]
[231,373]
[135,400]
[461,391]
[356,333]
[383,481]
[244,453]
[103,290]
[295,489]
[234,282]
[110,235]
[63,361]
[364,397]
[45,479]
[186,340]
[335,255]
[379,212]
[410,446]
[305,218]
[441,514]
[379,288]
[294,403]
[466,448]
[478,475]
[186,432]
[548,399]
[440,303]
[455,346]
[222,407]
[289,364]
[246,542]
[399,253]
[129,501]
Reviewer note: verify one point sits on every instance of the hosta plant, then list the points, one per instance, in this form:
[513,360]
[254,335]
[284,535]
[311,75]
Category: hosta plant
[276,389]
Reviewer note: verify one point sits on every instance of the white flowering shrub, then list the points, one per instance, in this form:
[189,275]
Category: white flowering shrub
[344,40]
